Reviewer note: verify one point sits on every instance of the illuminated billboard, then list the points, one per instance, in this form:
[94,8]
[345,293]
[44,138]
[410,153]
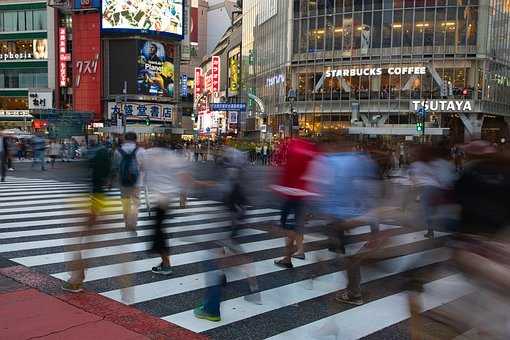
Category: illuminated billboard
[155,16]
[156,69]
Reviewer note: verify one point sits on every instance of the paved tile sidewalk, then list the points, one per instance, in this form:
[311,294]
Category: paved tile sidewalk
[33,306]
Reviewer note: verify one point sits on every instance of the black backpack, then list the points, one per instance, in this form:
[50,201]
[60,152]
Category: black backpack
[129,171]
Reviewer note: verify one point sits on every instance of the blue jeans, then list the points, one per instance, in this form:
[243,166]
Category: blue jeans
[214,281]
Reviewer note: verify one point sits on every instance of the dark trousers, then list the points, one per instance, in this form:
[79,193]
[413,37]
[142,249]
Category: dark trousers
[159,239]
[293,206]
[3,167]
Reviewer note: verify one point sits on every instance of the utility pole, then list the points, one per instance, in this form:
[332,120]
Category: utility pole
[124,118]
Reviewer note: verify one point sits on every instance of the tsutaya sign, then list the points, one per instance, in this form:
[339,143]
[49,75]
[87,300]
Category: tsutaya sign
[376,71]
[443,105]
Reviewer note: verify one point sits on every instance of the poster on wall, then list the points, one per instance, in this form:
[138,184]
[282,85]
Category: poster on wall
[159,16]
[156,69]
[40,49]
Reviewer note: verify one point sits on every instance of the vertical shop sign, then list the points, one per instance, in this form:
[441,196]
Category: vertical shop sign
[198,82]
[184,85]
[215,74]
[62,50]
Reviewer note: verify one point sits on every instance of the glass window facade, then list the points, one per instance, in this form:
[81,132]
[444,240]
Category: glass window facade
[23,78]
[463,44]
[23,20]
[377,27]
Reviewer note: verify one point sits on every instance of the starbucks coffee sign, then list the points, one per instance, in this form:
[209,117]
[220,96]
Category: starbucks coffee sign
[376,71]
[443,105]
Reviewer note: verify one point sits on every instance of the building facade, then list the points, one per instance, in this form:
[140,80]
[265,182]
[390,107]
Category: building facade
[369,66]
[27,61]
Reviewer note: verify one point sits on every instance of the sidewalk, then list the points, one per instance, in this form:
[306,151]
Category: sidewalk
[32,305]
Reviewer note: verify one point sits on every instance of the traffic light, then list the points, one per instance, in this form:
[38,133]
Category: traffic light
[147,121]
[465,92]
[419,127]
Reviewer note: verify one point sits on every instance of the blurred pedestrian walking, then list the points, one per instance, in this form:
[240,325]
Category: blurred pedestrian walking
[53,152]
[38,150]
[100,165]
[348,184]
[127,164]
[295,190]
[165,175]
[4,150]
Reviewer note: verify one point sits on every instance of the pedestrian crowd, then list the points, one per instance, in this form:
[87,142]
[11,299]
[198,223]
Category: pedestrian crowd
[457,191]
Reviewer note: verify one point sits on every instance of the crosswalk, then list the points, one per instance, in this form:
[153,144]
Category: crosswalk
[41,224]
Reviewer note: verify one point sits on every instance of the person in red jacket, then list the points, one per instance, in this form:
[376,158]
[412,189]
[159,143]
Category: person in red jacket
[294,189]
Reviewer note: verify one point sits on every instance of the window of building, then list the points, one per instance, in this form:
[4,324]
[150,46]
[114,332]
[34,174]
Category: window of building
[25,20]
[23,78]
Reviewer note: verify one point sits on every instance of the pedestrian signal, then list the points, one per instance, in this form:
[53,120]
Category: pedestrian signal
[419,127]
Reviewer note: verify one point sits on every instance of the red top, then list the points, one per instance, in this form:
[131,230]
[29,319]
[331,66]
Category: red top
[299,156]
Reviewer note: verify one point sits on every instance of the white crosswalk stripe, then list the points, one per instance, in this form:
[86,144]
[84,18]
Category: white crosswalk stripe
[42,224]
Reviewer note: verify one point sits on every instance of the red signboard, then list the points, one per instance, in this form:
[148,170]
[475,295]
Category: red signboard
[87,63]
[199,89]
[215,74]
[62,52]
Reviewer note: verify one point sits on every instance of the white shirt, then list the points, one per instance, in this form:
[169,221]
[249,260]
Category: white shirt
[438,173]
[162,168]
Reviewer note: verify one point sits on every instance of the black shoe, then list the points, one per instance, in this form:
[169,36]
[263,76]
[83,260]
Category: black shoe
[162,270]
[283,264]
[345,297]
[429,234]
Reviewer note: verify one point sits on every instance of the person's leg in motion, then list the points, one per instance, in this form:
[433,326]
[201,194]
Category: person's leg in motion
[290,236]
[299,211]
[210,310]
[160,241]
[3,167]
[78,265]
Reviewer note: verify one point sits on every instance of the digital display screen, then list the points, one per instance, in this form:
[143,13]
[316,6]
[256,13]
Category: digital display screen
[156,71]
[154,16]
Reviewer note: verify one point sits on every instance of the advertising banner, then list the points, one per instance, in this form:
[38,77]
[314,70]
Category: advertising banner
[141,111]
[87,64]
[62,56]
[194,25]
[155,16]
[234,72]
[199,89]
[184,85]
[215,74]
[156,69]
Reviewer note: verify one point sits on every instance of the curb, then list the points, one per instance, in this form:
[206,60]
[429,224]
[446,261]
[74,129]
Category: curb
[127,317]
